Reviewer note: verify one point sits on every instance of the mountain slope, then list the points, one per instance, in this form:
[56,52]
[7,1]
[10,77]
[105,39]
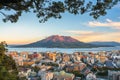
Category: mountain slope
[57,41]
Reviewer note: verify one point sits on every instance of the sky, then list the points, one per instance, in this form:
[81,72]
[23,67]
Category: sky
[81,27]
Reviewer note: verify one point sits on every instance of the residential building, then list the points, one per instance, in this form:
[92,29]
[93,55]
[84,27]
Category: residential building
[24,55]
[62,75]
[66,58]
[45,75]
[113,75]
[91,76]
[51,56]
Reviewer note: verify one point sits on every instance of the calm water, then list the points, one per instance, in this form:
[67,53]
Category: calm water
[65,50]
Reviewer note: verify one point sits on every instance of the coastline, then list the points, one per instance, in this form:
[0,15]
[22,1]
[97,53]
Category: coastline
[64,50]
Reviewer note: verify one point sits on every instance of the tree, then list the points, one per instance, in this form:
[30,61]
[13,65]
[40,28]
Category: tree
[8,69]
[2,48]
[45,9]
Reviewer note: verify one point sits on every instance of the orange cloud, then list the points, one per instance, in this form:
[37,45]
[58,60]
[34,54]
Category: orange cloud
[108,23]
[80,32]
[95,36]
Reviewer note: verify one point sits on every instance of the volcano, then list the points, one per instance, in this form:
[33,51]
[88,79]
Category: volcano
[57,41]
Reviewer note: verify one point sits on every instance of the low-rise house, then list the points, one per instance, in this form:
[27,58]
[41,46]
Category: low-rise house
[45,75]
[24,72]
[19,60]
[113,75]
[51,56]
[85,71]
[43,67]
[24,55]
[61,66]
[84,59]
[103,59]
[91,76]
[62,75]
[36,56]
[109,64]
[77,78]
[32,76]
[76,67]
[25,63]
[66,58]
[118,63]
[13,54]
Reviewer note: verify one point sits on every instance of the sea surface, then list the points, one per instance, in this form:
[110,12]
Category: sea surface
[65,50]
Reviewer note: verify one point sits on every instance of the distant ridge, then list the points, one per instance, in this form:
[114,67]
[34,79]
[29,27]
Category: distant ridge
[111,43]
[57,41]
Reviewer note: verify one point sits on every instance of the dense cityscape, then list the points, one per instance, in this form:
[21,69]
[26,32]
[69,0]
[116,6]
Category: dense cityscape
[104,65]
[59,39]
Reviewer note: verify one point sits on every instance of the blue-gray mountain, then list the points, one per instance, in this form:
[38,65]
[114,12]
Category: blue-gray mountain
[57,41]
[112,43]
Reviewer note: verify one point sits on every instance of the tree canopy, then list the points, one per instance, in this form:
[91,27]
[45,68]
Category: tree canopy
[8,69]
[45,9]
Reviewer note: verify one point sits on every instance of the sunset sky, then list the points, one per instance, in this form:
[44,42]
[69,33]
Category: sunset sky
[81,27]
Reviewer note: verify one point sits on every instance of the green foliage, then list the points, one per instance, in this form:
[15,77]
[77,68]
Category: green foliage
[107,68]
[77,73]
[50,64]
[36,69]
[2,48]
[8,70]
[45,9]
[103,71]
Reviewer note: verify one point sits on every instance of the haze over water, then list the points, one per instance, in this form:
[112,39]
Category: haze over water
[65,50]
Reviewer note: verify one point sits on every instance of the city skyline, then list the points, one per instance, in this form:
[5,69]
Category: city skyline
[81,27]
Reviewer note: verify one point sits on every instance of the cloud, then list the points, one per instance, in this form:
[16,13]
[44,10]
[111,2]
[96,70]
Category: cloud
[107,23]
[118,17]
[83,32]
[108,20]
[89,36]
[80,32]
[101,37]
